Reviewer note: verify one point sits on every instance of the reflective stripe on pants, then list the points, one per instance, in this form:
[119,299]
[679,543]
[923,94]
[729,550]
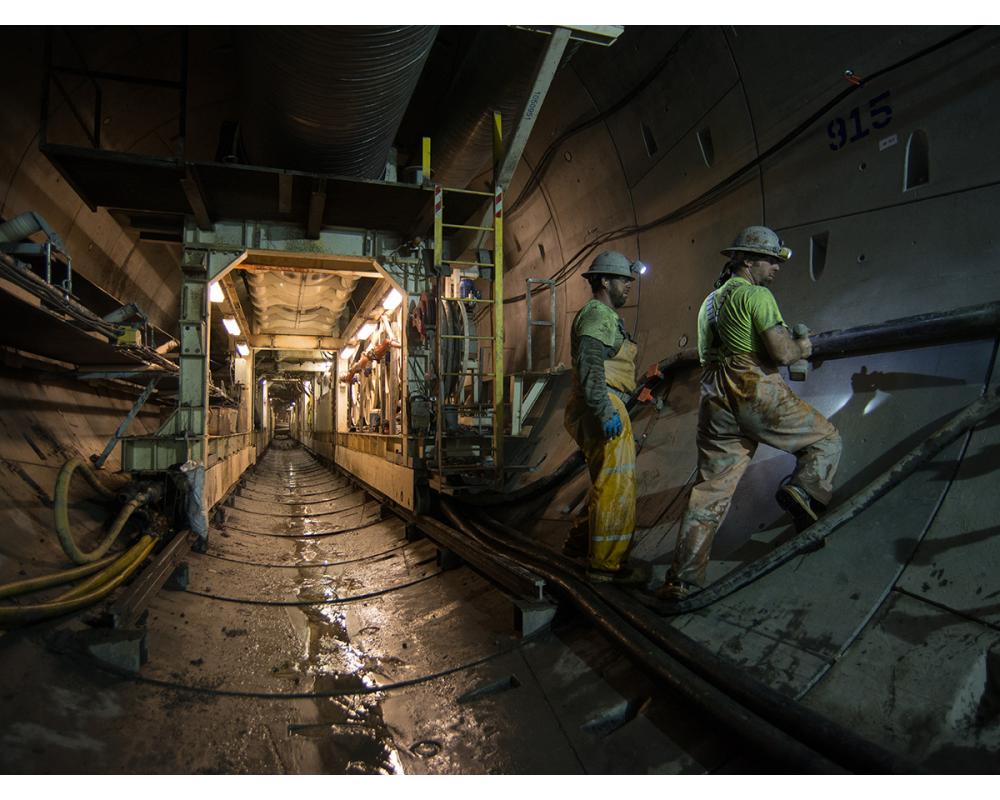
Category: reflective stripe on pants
[611,463]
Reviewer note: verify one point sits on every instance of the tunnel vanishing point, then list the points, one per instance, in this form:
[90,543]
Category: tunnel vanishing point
[291,318]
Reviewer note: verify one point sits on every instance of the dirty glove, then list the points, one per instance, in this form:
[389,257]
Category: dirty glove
[613,427]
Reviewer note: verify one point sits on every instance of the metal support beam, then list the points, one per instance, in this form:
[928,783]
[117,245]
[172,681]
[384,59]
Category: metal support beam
[514,144]
[129,608]
[192,190]
[317,205]
[289,341]
[229,290]
[139,403]
[284,193]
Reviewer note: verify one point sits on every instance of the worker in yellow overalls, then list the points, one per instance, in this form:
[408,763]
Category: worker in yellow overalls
[603,379]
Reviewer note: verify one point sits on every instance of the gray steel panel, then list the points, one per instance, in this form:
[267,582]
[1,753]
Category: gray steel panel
[958,562]
[923,682]
[942,95]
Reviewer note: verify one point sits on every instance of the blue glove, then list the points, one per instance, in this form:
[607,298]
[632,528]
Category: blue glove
[613,427]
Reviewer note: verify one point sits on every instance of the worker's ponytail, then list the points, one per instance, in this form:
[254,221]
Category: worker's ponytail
[728,271]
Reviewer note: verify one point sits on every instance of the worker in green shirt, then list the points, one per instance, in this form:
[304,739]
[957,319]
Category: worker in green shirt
[603,379]
[744,401]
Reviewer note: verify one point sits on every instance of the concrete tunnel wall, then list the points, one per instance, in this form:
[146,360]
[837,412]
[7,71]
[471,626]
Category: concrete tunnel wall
[47,418]
[861,629]
[890,253]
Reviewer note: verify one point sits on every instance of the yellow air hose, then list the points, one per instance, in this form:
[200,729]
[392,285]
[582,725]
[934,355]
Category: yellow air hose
[61,506]
[113,576]
[55,579]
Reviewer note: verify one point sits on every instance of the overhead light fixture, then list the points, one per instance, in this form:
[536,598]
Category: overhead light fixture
[231,325]
[243,349]
[215,294]
[392,300]
[366,330]
[349,351]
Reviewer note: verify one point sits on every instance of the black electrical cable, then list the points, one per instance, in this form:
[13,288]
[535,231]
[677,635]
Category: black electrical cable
[813,537]
[324,514]
[731,683]
[307,564]
[722,187]
[365,690]
[293,516]
[298,502]
[764,734]
[337,601]
[314,535]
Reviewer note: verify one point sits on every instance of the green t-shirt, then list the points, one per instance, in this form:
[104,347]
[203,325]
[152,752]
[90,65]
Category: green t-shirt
[744,312]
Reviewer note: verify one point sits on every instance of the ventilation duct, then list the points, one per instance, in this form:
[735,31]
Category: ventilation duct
[496,75]
[329,99]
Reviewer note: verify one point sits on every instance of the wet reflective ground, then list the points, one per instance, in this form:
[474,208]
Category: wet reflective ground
[314,637]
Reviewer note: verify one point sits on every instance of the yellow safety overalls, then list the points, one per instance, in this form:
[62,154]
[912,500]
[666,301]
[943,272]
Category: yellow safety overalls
[611,462]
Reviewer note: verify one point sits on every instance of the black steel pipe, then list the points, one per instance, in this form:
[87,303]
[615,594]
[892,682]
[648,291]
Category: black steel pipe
[806,725]
[748,725]
[813,537]
[970,322]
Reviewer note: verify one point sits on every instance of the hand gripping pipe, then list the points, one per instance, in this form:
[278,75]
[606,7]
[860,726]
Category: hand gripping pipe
[970,322]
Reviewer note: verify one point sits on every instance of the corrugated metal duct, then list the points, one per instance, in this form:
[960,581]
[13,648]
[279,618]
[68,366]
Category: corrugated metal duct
[496,75]
[329,99]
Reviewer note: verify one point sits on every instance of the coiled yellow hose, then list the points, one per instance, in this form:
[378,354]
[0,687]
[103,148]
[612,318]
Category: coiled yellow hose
[61,508]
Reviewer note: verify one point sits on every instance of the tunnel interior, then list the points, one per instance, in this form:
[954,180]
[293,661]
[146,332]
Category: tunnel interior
[287,342]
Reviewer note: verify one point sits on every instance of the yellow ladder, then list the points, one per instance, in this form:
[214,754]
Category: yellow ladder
[446,267]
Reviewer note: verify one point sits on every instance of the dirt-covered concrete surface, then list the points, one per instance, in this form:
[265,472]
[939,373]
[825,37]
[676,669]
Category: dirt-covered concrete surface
[314,637]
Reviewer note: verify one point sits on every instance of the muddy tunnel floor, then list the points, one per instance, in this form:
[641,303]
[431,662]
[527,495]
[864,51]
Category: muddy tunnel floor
[314,637]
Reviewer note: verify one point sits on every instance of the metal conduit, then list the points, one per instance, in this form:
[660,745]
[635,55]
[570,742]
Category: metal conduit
[329,99]
[761,732]
[969,322]
[807,726]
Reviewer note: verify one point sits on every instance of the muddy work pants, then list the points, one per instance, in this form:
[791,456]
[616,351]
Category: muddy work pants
[743,404]
[611,463]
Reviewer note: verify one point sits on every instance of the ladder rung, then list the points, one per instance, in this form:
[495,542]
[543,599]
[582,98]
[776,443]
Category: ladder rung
[467,191]
[470,373]
[468,300]
[477,338]
[544,323]
[465,227]
[468,263]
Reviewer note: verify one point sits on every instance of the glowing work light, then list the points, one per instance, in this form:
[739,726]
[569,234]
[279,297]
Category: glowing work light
[243,349]
[366,330]
[231,325]
[215,294]
[392,300]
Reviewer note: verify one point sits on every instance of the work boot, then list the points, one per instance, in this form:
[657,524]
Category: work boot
[797,502]
[624,576]
[675,590]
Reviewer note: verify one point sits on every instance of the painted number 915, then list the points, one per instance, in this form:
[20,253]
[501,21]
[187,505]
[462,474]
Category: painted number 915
[879,113]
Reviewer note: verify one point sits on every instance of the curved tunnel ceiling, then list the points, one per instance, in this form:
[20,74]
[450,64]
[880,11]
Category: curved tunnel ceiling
[328,99]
